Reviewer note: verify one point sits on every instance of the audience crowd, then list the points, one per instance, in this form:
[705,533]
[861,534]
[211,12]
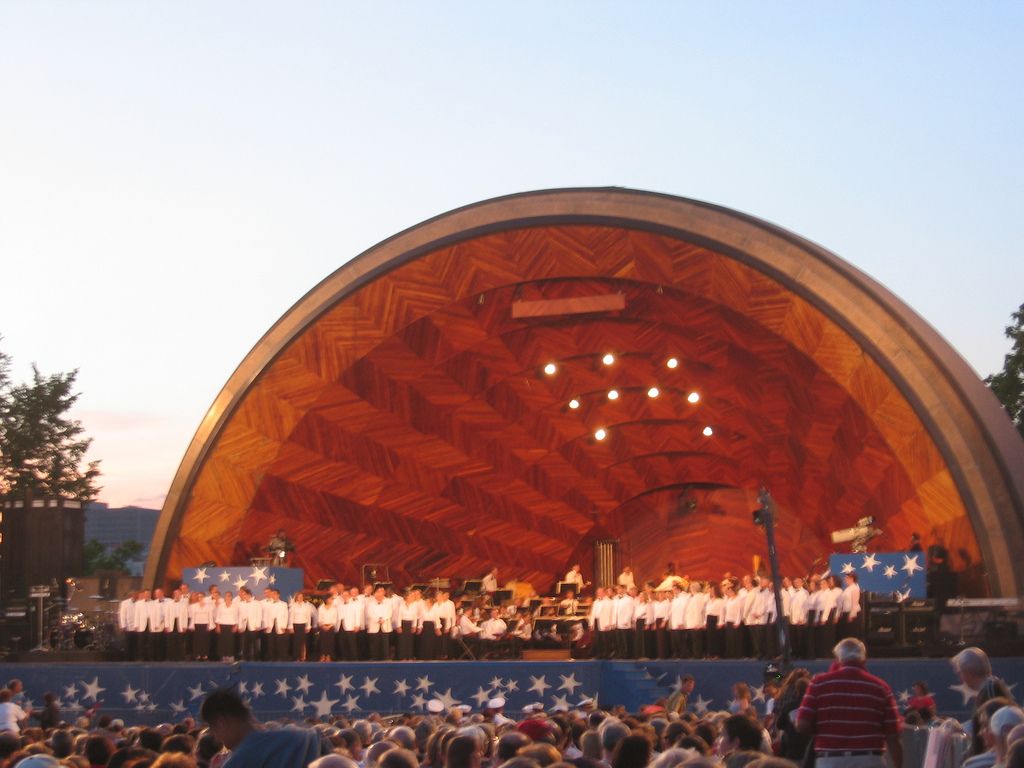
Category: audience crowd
[809,720]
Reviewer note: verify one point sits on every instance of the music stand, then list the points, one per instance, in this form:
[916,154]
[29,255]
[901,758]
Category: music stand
[566,586]
[500,596]
[385,585]
[473,586]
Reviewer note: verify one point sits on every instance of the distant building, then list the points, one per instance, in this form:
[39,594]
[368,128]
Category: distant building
[113,527]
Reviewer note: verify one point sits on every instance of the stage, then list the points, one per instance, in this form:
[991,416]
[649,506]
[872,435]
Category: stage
[152,693]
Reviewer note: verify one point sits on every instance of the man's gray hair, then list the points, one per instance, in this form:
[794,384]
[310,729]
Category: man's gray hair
[612,732]
[973,661]
[850,649]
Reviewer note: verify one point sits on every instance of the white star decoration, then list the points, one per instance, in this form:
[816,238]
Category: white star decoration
[196,693]
[511,685]
[243,688]
[272,579]
[423,684]
[904,696]
[848,568]
[92,690]
[496,682]
[239,582]
[298,704]
[351,704]
[481,696]
[447,699]
[758,692]
[890,571]
[910,565]
[143,697]
[369,686]
[129,693]
[225,576]
[177,707]
[258,574]
[200,575]
[538,684]
[70,691]
[419,701]
[323,705]
[700,706]
[870,561]
[282,687]
[964,690]
[560,701]
[569,683]
[401,687]
[256,691]
[345,683]
[303,683]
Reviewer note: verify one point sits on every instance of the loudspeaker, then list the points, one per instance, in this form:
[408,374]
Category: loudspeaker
[883,624]
[918,622]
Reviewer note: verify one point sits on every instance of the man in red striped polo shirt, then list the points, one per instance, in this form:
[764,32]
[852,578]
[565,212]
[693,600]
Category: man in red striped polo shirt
[851,713]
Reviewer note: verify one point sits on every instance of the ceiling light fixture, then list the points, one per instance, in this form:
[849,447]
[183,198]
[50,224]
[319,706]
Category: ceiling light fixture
[707,432]
[550,369]
[600,433]
[608,359]
[653,392]
[693,397]
[613,394]
[574,403]
[672,362]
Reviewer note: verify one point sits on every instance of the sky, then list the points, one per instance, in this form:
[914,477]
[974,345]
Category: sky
[175,175]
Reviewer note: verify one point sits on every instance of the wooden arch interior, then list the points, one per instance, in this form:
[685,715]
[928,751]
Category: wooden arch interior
[413,424]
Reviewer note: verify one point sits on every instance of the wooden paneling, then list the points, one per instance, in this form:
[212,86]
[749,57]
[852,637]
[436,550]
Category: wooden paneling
[412,424]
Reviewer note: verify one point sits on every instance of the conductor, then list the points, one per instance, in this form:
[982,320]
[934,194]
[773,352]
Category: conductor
[279,547]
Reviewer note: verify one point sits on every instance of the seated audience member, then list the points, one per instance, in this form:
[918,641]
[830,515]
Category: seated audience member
[233,725]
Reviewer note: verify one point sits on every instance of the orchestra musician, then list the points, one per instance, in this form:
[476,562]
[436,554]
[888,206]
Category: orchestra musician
[278,548]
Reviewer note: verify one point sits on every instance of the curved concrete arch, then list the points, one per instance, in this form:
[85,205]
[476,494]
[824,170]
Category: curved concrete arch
[979,445]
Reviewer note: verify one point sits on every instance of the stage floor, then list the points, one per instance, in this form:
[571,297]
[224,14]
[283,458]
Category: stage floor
[150,693]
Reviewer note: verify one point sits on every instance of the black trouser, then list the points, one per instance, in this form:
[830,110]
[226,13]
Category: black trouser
[156,641]
[348,645]
[714,638]
[696,643]
[406,642]
[251,645]
[131,645]
[298,641]
[678,643]
[328,642]
[201,642]
[733,641]
[428,642]
[176,645]
[378,645]
[661,642]
[624,643]
[640,639]
[757,638]
[607,643]
[226,641]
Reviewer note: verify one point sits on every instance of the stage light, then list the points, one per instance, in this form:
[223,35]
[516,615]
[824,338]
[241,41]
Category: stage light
[550,369]
[613,394]
[693,397]
[707,432]
[608,359]
[574,403]
[600,433]
[653,392]
[672,362]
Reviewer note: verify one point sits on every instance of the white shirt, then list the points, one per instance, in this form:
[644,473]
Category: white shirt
[715,606]
[489,583]
[574,577]
[798,606]
[624,608]
[626,580]
[694,617]
[353,616]
[10,715]
[849,602]
[677,611]
[275,617]
[734,610]
[446,613]
[126,615]
[156,614]
[140,615]
[411,612]
[661,609]
[250,616]
[492,629]
[200,613]
[328,615]
[378,617]
[226,614]
[301,613]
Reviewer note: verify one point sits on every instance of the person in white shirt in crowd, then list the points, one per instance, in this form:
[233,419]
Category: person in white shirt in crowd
[328,617]
[250,615]
[409,625]
[175,625]
[12,716]
[301,619]
[353,624]
[625,608]
[275,626]
[575,577]
[694,619]
[798,618]
[677,621]
[200,619]
[379,621]
[156,626]
[489,583]
[447,617]
[126,622]
[225,627]
[626,578]
[492,631]
[849,607]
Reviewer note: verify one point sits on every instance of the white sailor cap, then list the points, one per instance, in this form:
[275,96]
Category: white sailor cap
[586,703]
[435,706]
[496,703]
[534,707]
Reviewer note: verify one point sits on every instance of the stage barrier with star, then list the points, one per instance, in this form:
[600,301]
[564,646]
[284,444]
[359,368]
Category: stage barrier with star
[232,578]
[899,574]
[154,693]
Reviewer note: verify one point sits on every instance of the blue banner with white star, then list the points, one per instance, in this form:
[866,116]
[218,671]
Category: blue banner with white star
[232,578]
[900,574]
[154,693]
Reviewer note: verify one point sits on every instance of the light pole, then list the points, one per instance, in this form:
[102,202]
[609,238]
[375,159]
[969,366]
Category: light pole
[765,517]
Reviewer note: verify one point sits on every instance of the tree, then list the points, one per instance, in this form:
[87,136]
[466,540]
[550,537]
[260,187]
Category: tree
[42,451]
[1008,384]
[97,558]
